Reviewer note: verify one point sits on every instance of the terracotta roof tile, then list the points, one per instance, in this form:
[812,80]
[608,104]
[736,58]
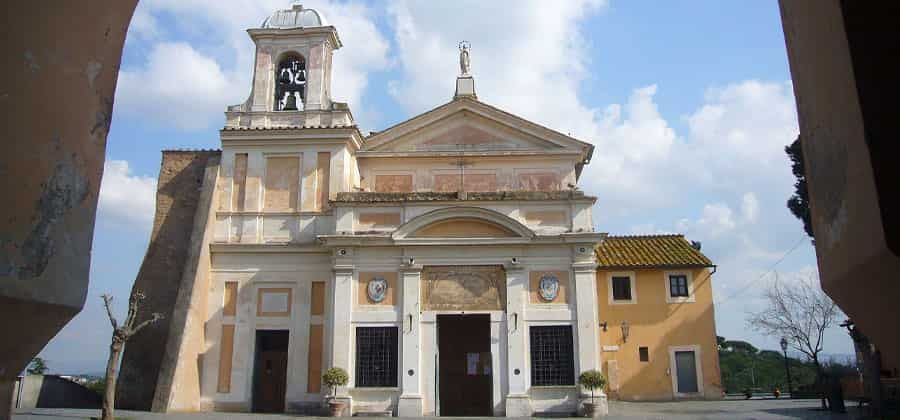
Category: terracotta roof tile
[649,251]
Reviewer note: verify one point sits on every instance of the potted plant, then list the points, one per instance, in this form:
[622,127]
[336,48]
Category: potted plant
[591,379]
[334,378]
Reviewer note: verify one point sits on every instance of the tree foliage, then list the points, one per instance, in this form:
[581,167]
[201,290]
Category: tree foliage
[335,377]
[744,367]
[592,379]
[38,366]
[798,204]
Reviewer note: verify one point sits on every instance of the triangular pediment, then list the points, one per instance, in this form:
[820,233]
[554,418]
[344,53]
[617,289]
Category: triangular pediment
[470,125]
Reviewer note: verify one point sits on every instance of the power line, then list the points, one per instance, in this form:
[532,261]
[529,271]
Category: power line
[765,273]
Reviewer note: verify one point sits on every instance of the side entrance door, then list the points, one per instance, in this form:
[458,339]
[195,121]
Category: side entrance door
[270,371]
[464,365]
[686,371]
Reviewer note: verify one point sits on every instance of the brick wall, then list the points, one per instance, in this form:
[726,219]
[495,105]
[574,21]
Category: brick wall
[180,179]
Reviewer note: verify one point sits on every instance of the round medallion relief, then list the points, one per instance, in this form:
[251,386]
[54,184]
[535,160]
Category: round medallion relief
[548,287]
[377,289]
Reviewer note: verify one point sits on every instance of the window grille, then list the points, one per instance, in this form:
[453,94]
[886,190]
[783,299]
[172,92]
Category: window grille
[376,356]
[552,357]
[678,286]
[621,288]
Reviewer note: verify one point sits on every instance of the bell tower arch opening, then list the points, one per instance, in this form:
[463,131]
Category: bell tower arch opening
[290,83]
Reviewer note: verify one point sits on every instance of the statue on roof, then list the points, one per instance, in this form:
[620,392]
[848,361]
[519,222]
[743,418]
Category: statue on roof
[465,63]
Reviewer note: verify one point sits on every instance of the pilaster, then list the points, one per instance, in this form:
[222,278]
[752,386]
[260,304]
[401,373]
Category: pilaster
[410,404]
[518,403]
[341,307]
[588,325]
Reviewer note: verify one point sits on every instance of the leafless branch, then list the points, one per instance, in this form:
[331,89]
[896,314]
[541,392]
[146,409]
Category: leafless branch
[107,302]
[153,318]
[798,311]
[134,303]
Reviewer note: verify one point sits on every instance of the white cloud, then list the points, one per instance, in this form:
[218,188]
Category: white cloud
[716,220]
[527,58]
[187,82]
[749,207]
[126,199]
[178,87]
[742,130]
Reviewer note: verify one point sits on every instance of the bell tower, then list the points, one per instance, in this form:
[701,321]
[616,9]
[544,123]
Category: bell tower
[292,71]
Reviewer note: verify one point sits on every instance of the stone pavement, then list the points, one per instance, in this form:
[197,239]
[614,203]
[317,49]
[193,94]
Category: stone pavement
[728,409]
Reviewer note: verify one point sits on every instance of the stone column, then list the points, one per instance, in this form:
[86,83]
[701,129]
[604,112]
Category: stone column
[518,403]
[588,325]
[410,404]
[341,307]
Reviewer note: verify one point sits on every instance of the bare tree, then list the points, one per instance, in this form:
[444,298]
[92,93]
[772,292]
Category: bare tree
[800,312]
[120,335]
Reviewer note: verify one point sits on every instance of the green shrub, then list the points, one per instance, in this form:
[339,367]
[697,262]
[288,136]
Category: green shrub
[334,378]
[592,379]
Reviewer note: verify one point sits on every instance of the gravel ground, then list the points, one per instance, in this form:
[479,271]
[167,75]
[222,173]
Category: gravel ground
[727,409]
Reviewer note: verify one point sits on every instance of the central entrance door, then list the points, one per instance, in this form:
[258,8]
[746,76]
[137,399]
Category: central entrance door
[464,365]
[270,371]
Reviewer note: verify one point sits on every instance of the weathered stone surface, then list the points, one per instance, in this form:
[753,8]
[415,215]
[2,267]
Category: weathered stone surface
[180,179]
[59,79]
[375,197]
[471,288]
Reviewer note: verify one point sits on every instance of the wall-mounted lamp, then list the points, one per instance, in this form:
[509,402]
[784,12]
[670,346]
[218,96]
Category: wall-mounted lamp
[603,325]
[625,330]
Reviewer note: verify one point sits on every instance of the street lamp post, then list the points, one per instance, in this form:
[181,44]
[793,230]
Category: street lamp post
[787,366]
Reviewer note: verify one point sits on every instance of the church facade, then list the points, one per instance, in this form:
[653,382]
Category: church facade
[448,263]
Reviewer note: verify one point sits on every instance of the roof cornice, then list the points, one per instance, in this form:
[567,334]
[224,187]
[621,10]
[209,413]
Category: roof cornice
[292,136]
[330,32]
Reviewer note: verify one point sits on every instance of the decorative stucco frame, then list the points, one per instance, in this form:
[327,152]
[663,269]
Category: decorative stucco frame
[460,212]
[609,283]
[690,285]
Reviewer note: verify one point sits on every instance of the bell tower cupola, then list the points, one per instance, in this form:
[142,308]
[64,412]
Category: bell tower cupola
[292,73]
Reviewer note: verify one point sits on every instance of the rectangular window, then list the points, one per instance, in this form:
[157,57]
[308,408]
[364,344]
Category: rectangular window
[678,285]
[621,288]
[552,357]
[644,354]
[376,357]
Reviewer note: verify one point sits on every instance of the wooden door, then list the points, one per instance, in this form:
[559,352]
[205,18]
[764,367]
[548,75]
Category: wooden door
[465,365]
[270,373]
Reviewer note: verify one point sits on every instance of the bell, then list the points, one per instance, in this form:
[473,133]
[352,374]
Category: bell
[285,77]
[290,104]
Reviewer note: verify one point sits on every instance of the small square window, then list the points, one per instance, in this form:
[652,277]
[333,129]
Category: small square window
[644,354]
[621,288]
[678,285]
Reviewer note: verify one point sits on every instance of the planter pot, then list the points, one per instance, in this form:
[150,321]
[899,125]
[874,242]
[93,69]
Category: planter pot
[337,407]
[591,410]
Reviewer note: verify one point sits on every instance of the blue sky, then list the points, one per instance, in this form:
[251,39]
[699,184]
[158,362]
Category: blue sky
[688,103]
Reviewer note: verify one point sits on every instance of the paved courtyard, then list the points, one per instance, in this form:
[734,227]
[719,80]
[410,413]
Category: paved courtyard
[729,409]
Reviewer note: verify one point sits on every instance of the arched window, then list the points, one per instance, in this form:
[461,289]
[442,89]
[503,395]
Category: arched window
[290,83]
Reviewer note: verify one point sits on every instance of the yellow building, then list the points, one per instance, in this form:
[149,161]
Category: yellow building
[657,324]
